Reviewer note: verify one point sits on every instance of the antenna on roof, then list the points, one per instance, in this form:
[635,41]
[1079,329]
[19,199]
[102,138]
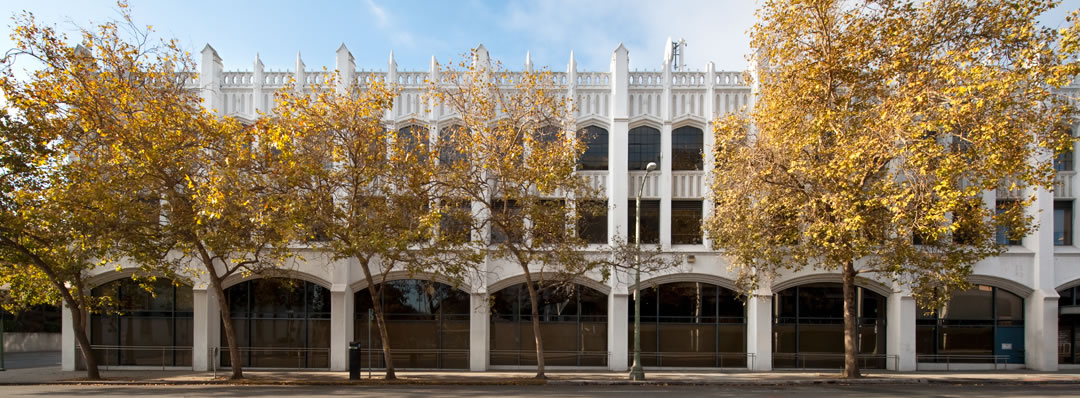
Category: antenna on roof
[678,55]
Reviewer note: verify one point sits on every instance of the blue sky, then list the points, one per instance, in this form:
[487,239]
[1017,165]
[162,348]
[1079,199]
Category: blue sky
[417,30]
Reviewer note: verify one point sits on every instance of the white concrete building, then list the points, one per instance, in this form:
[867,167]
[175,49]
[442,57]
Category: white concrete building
[1025,311]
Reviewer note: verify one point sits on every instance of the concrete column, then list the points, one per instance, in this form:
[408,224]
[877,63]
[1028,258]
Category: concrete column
[67,340]
[206,323]
[299,75]
[479,332]
[759,330]
[664,178]
[618,181]
[900,336]
[619,330]
[257,93]
[1040,308]
[346,68]
[342,317]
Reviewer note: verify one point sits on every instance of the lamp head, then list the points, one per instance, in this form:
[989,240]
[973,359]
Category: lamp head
[651,166]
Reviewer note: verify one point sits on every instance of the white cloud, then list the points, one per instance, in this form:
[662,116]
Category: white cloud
[382,19]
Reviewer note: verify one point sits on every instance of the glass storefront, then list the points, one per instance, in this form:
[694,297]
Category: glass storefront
[808,327]
[690,324]
[428,325]
[573,326]
[1069,326]
[279,323]
[143,328]
[981,325]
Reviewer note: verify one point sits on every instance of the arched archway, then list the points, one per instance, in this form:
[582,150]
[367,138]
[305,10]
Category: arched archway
[141,327]
[573,326]
[1069,323]
[808,326]
[427,321]
[689,323]
[280,323]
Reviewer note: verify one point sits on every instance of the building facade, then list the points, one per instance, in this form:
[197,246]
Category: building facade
[1023,312]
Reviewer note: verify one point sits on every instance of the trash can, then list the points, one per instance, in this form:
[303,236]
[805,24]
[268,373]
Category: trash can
[355,371]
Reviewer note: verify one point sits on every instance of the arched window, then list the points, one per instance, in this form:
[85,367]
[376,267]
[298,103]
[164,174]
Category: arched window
[428,324]
[979,325]
[280,323]
[140,321]
[644,147]
[687,148]
[690,324]
[450,150]
[573,326]
[808,327]
[413,140]
[596,149]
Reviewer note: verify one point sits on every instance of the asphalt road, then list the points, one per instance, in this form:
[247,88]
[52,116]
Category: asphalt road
[824,391]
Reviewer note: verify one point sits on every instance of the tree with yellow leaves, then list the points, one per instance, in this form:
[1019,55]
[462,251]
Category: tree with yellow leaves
[179,191]
[877,127]
[514,157]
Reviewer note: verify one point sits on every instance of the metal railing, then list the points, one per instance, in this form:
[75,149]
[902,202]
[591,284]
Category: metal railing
[824,360]
[279,356]
[718,360]
[551,358]
[949,359]
[112,356]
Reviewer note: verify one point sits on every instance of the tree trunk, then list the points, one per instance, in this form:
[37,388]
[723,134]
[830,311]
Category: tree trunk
[380,320]
[78,325]
[533,300]
[851,349]
[230,333]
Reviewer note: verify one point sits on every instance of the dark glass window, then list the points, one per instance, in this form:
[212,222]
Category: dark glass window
[428,324]
[690,324]
[1069,326]
[1063,220]
[573,326]
[593,222]
[687,148]
[1004,235]
[280,323]
[414,141]
[644,147]
[549,222]
[650,221]
[808,327]
[596,149]
[449,149]
[42,318]
[975,326]
[506,213]
[141,318]
[1064,161]
[456,221]
[685,222]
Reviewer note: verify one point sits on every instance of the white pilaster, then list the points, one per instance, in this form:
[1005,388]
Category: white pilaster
[67,340]
[709,140]
[618,330]
[206,323]
[346,68]
[341,325]
[618,183]
[759,330]
[479,333]
[299,74]
[665,153]
[1040,308]
[257,101]
[900,336]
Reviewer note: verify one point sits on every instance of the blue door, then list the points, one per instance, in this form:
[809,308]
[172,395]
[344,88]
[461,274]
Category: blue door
[1009,340]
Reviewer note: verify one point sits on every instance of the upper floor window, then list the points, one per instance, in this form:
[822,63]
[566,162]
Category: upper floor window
[592,225]
[687,145]
[644,147]
[650,221]
[595,156]
[686,222]
[450,150]
[1064,161]
[1004,234]
[1063,220]
[413,140]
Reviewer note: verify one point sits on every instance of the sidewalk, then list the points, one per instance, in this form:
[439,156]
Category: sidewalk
[51,374]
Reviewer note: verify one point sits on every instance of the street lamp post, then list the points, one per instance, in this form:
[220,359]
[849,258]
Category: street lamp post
[636,371]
